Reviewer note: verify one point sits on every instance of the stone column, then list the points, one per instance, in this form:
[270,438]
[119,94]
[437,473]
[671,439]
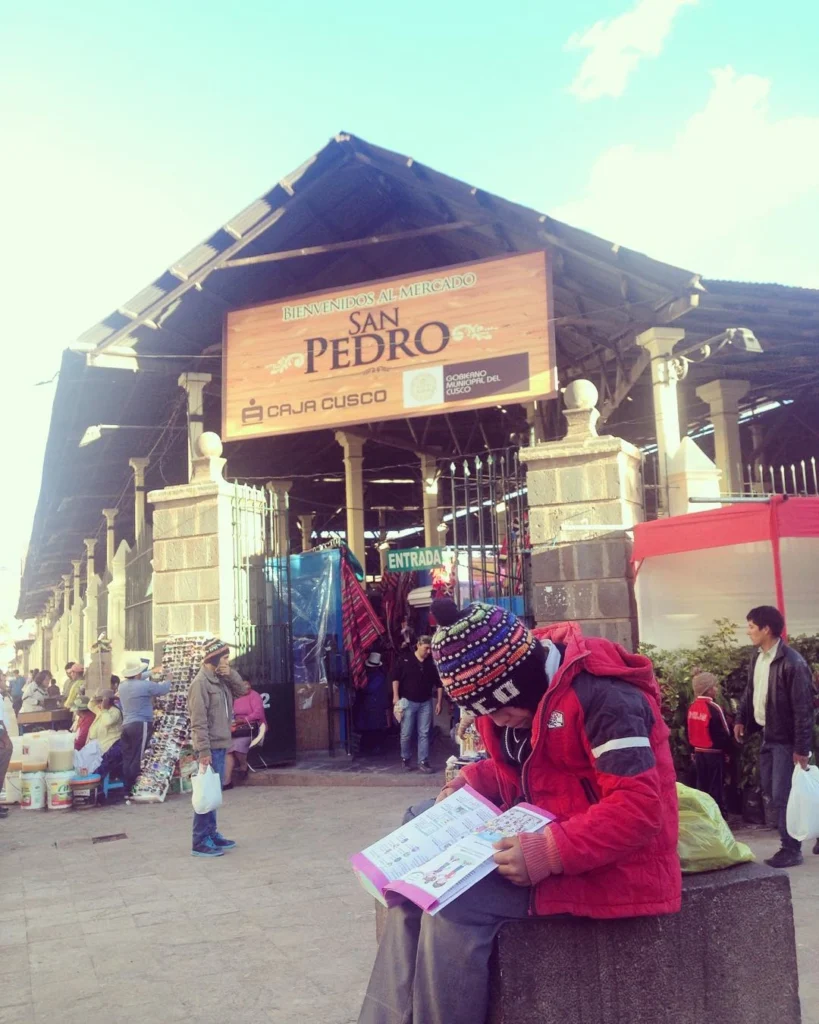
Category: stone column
[194,580]
[110,515]
[76,612]
[306,528]
[353,447]
[432,515]
[116,606]
[194,384]
[91,612]
[65,627]
[280,490]
[139,466]
[584,492]
[666,372]
[723,397]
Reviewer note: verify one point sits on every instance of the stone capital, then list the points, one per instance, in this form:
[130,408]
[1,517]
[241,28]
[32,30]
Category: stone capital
[110,515]
[194,383]
[90,546]
[723,396]
[139,465]
[352,444]
[660,341]
[76,564]
[279,486]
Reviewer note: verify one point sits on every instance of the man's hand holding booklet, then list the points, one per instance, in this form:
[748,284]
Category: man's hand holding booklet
[444,851]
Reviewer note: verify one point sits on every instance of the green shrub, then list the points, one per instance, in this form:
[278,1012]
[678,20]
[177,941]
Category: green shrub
[720,653]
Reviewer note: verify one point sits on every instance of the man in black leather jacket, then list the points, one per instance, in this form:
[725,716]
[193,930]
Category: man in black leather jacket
[778,700]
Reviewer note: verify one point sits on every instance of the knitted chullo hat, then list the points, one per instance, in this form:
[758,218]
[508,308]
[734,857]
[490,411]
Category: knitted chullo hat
[214,649]
[485,657]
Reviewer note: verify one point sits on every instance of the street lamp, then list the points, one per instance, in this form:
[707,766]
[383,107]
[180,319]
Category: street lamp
[94,433]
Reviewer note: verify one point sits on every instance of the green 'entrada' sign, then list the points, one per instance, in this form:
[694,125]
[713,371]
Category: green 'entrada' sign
[411,559]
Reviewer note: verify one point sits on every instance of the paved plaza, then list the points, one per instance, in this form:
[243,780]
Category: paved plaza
[277,931]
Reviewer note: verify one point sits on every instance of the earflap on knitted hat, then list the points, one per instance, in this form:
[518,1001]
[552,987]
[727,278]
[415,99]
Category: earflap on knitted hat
[214,648]
[486,657]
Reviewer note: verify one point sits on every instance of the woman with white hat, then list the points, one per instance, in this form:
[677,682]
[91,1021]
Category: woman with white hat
[136,695]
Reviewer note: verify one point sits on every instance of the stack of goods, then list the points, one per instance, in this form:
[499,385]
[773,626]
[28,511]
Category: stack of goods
[472,749]
[182,659]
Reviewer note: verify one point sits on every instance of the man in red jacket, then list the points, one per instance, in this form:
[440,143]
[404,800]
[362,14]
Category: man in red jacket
[573,725]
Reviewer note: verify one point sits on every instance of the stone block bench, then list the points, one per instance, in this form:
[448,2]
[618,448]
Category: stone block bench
[729,957]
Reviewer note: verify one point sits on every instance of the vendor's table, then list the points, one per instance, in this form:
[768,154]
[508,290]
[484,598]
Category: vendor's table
[33,721]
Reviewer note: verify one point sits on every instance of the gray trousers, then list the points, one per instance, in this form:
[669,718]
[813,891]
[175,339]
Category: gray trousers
[435,970]
[776,774]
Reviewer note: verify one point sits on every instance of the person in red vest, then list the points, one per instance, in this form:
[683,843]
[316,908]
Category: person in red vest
[571,724]
[709,736]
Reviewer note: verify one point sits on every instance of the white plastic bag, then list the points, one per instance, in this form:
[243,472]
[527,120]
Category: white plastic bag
[207,791]
[803,804]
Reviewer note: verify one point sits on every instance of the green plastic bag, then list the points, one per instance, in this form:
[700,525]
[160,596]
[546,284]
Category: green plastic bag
[706,842]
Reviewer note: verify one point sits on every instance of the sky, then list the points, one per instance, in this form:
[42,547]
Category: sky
[687,129]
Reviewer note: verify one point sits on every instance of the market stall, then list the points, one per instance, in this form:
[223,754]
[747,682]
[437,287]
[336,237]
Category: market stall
[718,564]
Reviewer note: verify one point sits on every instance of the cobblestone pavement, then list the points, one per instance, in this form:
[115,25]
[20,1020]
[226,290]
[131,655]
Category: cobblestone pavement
[277,931]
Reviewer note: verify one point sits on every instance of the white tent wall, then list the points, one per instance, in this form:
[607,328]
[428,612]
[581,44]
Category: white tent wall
[680,596]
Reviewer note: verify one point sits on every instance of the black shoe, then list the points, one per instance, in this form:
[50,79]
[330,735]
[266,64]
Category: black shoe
[425,767]
[816,846]
[785,859]
[405,761]
[4,812]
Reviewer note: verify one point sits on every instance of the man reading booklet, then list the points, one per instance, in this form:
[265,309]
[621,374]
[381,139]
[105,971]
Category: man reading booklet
[573,728]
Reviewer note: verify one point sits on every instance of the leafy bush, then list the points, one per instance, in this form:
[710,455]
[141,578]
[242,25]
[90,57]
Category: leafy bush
[720,653]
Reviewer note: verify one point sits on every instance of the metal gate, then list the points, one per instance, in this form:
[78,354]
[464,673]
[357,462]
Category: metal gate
[488,529]
[262,611]
[139,601]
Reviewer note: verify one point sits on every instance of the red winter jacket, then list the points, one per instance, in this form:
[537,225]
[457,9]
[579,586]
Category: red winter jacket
[602,765]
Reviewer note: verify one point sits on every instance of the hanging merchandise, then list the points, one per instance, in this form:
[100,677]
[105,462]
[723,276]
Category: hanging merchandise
[360,624]
[181,660]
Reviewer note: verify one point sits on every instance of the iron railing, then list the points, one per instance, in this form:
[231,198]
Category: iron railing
[797,478]
[487,527]
[139,601]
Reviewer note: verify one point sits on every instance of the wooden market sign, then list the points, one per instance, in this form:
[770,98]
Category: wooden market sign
[410,559]
[462,337]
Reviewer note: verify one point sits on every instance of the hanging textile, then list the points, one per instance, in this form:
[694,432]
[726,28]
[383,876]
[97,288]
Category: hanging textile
[396,587]
[360,625]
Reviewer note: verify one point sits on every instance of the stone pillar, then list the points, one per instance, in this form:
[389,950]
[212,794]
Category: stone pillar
[432,516]
[280,490]
[76,613]
[110,515]
[723,397]
[691,474]
[306,528]
[194,384]
[353,447]
[66,653]
[91,612]
[666,372]
[116,606]
[194,580]
[585,492]
[139,466]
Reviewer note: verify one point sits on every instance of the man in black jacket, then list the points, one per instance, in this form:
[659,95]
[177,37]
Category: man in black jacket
[778,700]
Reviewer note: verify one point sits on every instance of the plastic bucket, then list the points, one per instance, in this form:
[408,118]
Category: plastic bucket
[61,751]
[11,791]
[84,791]
[58,790]
[33,791]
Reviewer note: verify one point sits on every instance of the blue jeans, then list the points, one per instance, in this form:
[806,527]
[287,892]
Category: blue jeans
[776,773]
[417,718]
[204,825]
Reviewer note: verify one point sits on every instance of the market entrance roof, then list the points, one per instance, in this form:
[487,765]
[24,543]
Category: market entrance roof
[353,212]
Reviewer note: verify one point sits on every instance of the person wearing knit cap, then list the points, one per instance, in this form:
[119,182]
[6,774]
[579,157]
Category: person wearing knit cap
[210,707]
[709,736]
[571,724]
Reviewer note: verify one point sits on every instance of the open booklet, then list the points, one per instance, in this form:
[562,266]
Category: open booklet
[444,851]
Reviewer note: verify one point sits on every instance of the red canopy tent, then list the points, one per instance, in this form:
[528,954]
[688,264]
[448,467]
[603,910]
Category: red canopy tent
[770,554]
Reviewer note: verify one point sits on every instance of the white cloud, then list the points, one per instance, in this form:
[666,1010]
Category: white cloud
[736,194]
[617,45]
